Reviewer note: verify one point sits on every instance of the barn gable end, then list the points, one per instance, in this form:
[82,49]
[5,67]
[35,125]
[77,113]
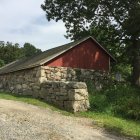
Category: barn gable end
[86,55]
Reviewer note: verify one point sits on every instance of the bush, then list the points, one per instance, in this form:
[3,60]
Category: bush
[1,63]
[120,100]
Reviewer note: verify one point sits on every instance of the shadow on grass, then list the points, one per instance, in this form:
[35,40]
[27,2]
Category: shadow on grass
[119,132]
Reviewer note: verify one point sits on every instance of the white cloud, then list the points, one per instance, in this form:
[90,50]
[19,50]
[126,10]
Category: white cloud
[24,21]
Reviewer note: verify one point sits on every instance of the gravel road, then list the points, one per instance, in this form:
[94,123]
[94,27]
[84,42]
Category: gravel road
[21,121]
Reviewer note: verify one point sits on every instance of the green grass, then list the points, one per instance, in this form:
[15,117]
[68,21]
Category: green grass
[114,124]
[25,99]
[30,100]
[116,107]
[108,121]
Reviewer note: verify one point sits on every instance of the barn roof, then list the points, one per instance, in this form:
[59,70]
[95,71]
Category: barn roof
[44,57]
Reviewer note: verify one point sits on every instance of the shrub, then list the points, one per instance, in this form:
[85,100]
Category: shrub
[120,100]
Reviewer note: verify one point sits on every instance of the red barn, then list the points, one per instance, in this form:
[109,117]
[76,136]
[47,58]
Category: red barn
[86,53]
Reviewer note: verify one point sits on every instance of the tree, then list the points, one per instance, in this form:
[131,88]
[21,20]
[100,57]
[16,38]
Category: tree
[1,63]
[30,50]
[122,16]
[10,52]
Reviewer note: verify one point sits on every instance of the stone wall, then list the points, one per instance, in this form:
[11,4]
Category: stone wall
[21,82]
[60,86]
[71,96]
[98,78]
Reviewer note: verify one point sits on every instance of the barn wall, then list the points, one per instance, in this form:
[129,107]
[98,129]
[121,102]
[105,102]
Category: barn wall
[86,55]
[68,95]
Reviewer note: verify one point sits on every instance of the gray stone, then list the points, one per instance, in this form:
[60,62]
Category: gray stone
[18,86]
[78,85]
[75,97]
[1,86]
[62,98]
[42,80]
[24,86]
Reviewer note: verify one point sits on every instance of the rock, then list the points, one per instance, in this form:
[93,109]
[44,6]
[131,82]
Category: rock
[77,85]
[41,73]
[18,86]
[82,92]
[24,86]
[42,80]
[75,97]
[1,86]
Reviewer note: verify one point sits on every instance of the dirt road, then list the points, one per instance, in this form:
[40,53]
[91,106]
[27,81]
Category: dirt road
[21,121]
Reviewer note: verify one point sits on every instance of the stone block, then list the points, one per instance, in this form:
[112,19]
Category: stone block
[61,98]
[75,97]
[1,86]
[42,80]
[24,86]
[77,85]
[18,86]
[82,92]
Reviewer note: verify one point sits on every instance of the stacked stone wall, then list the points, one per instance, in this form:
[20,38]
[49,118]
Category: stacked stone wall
[98,78]
[64,87]
[68,95]
[71,96]
[21,82]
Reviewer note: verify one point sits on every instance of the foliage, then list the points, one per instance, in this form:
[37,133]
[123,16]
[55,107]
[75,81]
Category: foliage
[124,69]
[115,24]
[30,50]
[10,52]
[119,100]
[77,14]
[1,63]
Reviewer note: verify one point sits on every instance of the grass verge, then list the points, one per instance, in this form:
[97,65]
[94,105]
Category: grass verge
[109,122]
[31,100]
[114,124]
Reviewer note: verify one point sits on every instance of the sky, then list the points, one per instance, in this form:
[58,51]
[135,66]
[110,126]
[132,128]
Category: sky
[24,21]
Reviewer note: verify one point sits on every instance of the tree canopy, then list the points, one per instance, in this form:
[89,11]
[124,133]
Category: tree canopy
[77,14]
[30,50]
[114,23]
[10,52]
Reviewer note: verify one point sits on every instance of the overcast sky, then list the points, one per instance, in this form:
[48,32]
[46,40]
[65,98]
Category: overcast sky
[24,21]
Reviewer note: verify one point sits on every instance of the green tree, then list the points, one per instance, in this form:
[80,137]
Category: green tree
[1,63]
[119,15]
[30,50]
[9,52]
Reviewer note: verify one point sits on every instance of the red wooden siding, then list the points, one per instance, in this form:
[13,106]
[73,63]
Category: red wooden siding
[86,55]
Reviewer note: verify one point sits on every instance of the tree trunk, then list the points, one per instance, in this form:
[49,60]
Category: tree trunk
[136,64]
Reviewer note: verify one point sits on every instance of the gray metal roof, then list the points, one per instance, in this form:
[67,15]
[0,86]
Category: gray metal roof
[43,57]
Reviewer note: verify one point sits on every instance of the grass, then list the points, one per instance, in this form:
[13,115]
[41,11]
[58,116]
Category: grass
[108,121]
[114,124]
[30,100]
[116,107]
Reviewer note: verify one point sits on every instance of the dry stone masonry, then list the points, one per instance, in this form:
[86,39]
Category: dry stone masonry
[63,87]
[98,78]
[71,96]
